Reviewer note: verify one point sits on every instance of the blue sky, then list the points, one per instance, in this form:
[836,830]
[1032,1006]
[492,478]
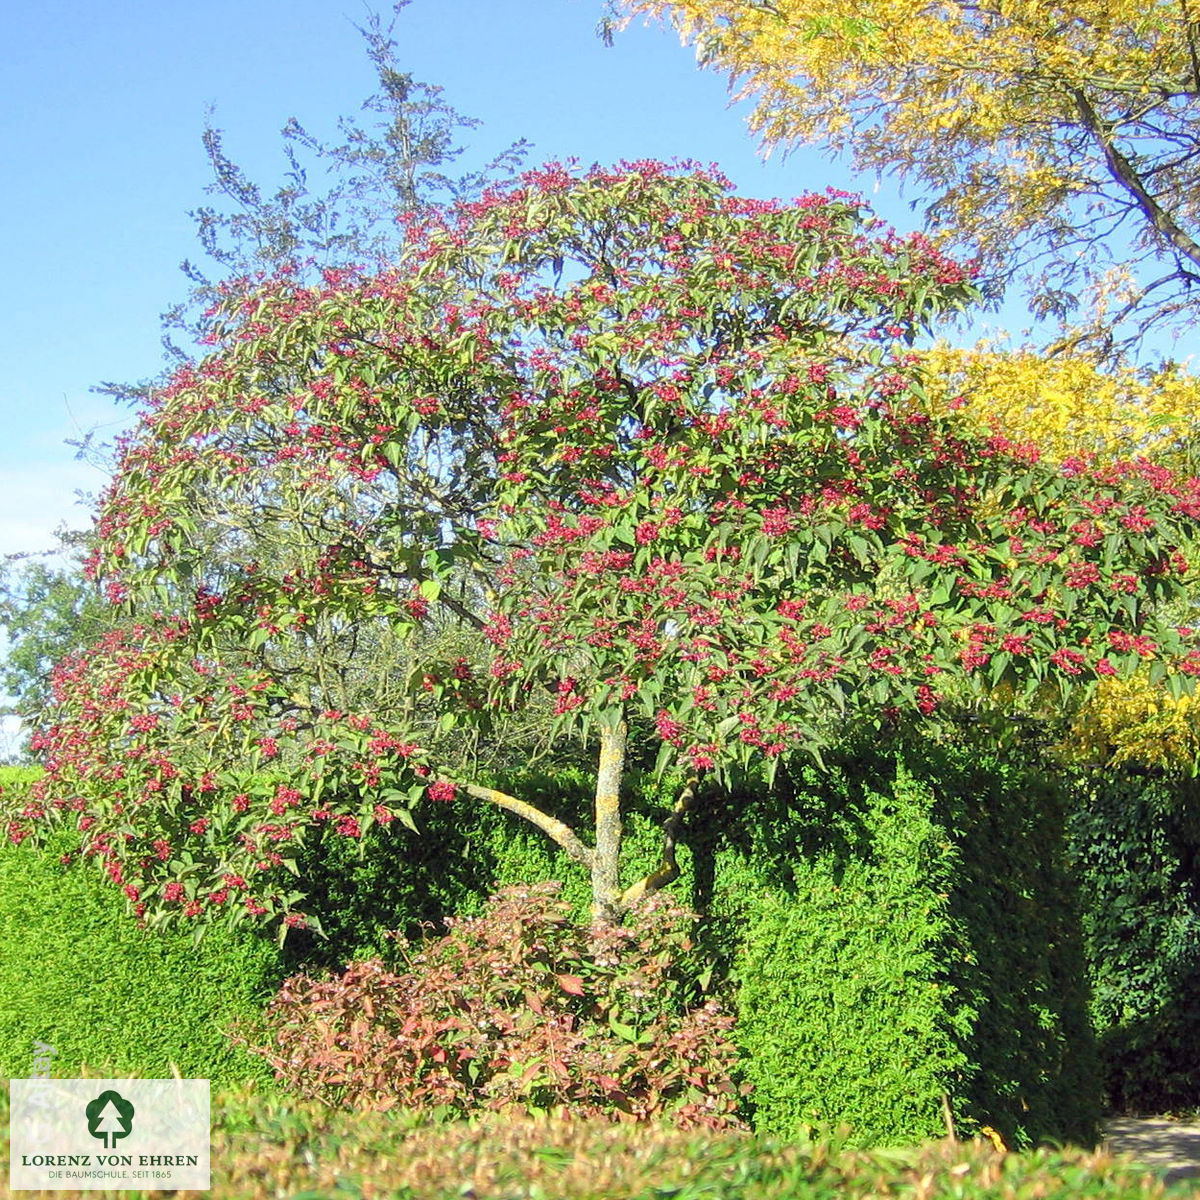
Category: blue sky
[103,107]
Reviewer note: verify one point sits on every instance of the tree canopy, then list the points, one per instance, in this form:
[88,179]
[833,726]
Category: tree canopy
[337,205]
[667,450]
[1061,143]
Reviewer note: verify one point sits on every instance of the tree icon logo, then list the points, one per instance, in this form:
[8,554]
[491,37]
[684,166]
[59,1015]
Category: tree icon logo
[109,1116]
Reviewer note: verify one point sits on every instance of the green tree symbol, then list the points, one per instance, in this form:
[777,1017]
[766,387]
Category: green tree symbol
[109,1116]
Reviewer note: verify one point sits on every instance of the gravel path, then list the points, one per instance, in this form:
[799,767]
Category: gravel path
[1172,1147]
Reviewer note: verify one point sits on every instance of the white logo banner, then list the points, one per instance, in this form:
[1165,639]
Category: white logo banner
[114,1134]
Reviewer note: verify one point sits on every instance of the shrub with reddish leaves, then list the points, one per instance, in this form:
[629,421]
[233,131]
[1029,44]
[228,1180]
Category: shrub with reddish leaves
[518,1008]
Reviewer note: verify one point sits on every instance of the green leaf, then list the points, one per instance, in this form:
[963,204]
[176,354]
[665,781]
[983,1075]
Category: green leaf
[999,665]
[625,1032]
[666,752]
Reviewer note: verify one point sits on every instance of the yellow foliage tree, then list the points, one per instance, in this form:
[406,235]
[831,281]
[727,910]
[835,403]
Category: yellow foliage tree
[1043,135]
[1067,407]
[1130,721]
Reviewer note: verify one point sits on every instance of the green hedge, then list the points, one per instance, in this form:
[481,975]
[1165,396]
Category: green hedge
[76,972]
[397,879]
[901,931]
[911,943]
[1135,840]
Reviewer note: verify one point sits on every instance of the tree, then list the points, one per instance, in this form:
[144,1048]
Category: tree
[1063,145]
[47,610]
[665,447]
[339,204]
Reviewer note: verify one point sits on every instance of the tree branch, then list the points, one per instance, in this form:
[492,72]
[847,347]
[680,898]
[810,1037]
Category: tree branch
[1189,28]
[667,870]
[562,834]
[1126,175]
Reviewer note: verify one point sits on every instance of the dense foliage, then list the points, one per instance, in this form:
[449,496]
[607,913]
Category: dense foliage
[841,1009]
[111,998]
[912,956]
[663,447]
[521,1008]
[1136,846]
[263,1148]
[1069,408]
[1060,143]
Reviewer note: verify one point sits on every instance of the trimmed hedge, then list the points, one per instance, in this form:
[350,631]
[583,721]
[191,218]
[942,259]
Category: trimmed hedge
[76,972]
[1135,840]
[903,932]
[265,1147]
[899,930]
[913,943]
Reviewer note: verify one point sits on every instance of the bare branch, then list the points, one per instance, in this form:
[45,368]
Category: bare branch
[558,831]
[1126,175]
[667,870]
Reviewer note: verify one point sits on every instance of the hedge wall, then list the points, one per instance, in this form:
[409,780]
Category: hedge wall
[77,973]
[912,944]
[902,931]
[1135,841]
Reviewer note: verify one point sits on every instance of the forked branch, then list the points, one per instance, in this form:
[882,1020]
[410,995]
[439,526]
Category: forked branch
[559,832]
[667,870]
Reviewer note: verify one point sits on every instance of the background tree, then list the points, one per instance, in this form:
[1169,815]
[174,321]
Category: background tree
[47,611]
[1062,145]
[340,204]
[665,447]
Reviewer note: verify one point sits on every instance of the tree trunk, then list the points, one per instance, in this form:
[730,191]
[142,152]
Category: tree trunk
[606,879]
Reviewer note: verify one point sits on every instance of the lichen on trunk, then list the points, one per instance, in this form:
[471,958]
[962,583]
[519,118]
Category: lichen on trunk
[606,880]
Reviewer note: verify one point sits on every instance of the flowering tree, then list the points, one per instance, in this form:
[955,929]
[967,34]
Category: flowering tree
[1071,410]
[665,448]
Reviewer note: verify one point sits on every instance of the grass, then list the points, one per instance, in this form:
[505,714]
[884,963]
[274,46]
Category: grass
[267,1147]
